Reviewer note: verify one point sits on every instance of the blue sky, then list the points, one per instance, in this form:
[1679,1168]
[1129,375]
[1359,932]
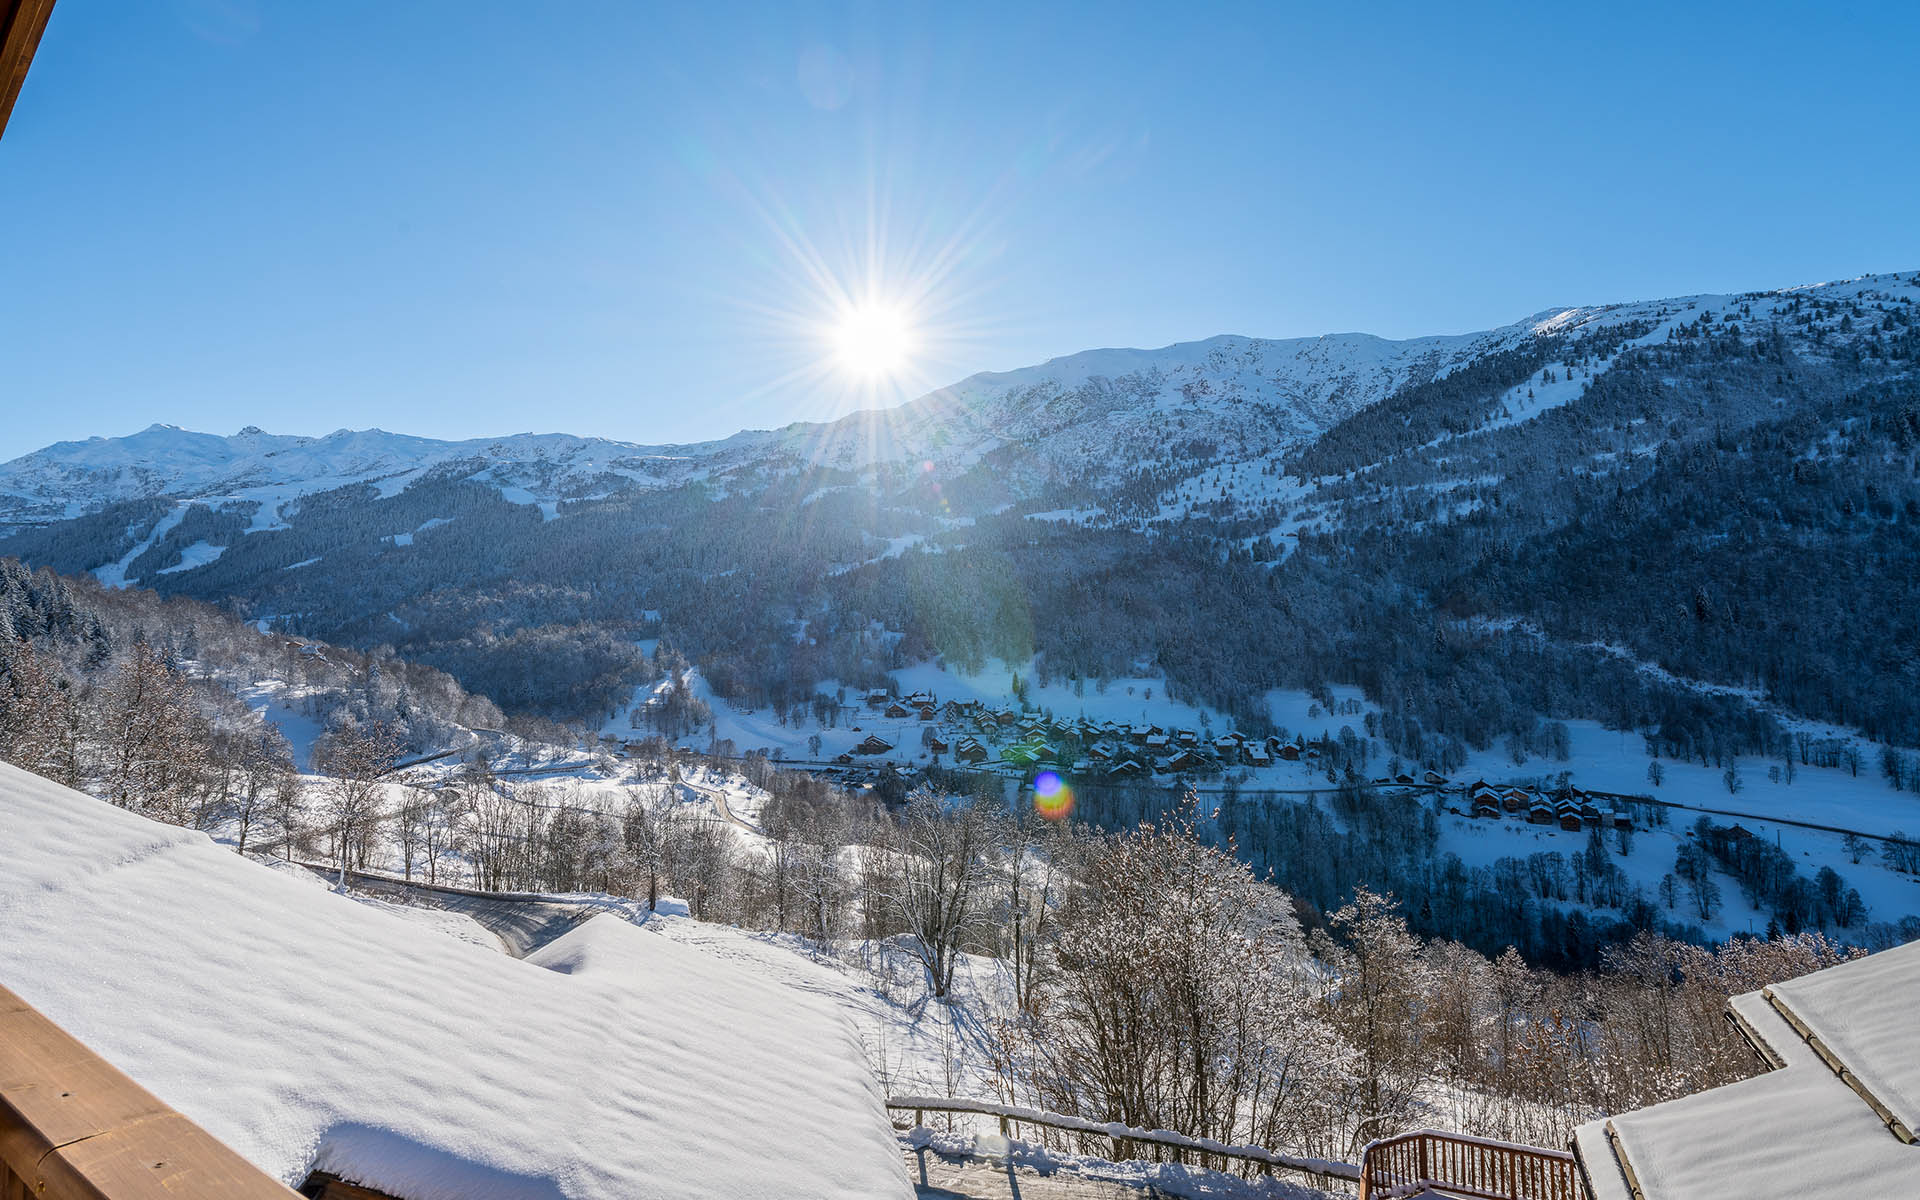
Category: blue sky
[470,218]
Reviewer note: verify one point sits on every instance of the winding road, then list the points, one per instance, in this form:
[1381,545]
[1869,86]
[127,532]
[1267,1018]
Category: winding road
[522,923]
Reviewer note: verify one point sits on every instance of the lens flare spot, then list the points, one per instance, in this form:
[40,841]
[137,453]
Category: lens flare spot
[1052,798]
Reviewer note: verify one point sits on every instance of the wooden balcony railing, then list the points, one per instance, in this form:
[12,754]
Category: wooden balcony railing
[1127,1140]
[73,1127]
[1459,1165]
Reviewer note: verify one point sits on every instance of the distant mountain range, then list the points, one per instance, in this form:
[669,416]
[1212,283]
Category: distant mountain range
[1100,413]
[1608,511]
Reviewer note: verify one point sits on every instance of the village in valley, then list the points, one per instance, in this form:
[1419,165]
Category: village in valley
[888,742]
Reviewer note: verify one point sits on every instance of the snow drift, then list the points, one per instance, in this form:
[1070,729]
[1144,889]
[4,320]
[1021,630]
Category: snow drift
[311,1032]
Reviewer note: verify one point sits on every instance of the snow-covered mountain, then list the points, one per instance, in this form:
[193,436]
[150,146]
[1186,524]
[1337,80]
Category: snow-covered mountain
[1097,412]
[67,479]
[1094,417]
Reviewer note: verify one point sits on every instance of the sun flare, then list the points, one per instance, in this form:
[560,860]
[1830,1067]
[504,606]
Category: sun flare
[873,340]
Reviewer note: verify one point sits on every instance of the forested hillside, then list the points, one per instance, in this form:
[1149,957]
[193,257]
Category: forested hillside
[162,705]
[1693,518]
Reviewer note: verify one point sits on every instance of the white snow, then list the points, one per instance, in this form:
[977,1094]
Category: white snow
[197,555]
[1798,1131]
[309,1031]
[1868,1013]
[115,574]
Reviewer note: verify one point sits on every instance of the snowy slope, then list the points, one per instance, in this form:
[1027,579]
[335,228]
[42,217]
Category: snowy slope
[1098,415]
[1109,408]
[1101,411]
[70,478]
[309,1031]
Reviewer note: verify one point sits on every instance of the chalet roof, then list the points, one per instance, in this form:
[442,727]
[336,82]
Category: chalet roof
[1799,1130]
[21,24]
[306,1029]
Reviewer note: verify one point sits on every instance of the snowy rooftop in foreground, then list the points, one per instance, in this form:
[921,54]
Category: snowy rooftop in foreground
[310,1031]
[1798,1131]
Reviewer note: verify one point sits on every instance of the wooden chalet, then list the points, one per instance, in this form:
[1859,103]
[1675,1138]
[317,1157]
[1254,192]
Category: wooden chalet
[1436,779]
[878,697]
[928,712]
[1255,755]
[1516,800]
[873,744]
[1404,779]
[1568,814]
[1186,737]
[1186,760]
[969,750]
[938,744]
[1540,811]
[1289,751]
[896,710]
[1486,803]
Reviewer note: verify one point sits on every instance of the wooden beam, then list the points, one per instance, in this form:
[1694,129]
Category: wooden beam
[21,24]
[74,1127]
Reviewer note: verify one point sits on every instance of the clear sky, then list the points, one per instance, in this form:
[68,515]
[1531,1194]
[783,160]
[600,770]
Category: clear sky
[462,218]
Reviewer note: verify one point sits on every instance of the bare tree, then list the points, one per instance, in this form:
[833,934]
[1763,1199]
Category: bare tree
[152,740]
[264,765]
[1378,1002]
[39,720]
[650,839]
[942,881]
[355,757]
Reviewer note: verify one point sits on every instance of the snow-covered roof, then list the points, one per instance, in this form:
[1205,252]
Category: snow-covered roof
[309,1031]
[1800,1130]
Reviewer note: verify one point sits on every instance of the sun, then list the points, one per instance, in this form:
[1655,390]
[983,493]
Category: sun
[873,340]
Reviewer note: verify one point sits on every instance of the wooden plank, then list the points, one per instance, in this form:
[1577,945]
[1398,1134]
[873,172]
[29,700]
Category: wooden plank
[74,1127]
[324,1186]
[21,24]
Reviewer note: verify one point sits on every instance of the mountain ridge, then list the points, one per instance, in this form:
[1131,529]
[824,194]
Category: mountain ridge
[1098,412]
